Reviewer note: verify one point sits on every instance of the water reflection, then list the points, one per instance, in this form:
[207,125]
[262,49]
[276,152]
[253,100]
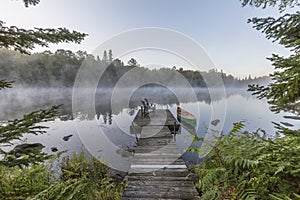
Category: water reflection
[116,122]
[17,102]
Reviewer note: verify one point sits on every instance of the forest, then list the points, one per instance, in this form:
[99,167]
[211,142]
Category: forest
[59,69]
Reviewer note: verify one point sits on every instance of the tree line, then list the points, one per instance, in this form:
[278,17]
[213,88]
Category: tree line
[59,69]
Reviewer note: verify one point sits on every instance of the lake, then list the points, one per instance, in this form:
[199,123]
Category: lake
[105,132]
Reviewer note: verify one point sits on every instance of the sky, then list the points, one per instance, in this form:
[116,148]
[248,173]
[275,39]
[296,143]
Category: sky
[219,26]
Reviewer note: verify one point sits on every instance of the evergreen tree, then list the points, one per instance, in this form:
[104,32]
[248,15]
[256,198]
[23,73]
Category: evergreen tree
[110,56]
[245,165]
[118,63]
[105,58]
[284,92]
[23,41]
[133,63]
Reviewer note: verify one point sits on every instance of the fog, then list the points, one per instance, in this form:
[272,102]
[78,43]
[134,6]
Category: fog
[16,102]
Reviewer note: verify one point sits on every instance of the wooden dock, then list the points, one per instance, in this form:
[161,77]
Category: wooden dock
[157,171]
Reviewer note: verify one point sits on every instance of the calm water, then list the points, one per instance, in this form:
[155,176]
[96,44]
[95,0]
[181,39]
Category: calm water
[105,133]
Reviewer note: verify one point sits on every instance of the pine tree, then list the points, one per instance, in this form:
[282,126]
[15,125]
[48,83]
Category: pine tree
[133,63]
[105,58]
[284,92]
[110,56]
[23,41]
[245,165]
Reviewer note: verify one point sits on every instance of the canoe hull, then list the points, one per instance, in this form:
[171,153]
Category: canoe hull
[189,128]
[182,119]
[184,116]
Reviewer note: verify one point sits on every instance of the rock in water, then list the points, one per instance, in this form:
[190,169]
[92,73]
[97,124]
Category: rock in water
[215,122]
[54,149]
[67,137]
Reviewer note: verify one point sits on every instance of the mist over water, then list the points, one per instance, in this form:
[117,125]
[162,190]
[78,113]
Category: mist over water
[16,102]
[116,121]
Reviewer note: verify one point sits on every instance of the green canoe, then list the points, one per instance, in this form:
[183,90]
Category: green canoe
[184,116]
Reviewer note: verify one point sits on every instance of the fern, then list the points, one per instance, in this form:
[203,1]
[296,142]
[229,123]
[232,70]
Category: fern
[237,127]
[248,194]
[246,165]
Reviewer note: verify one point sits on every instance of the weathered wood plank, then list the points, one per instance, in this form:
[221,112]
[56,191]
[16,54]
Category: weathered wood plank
[156,150]
[158,173]
[170,145]
[159,178]
[160,188]
[138,155]
[132,198]
[160,162]
[154,161]
[186,183]
[162,194]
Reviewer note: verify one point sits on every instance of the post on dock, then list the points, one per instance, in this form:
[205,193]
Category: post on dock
[174,127]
